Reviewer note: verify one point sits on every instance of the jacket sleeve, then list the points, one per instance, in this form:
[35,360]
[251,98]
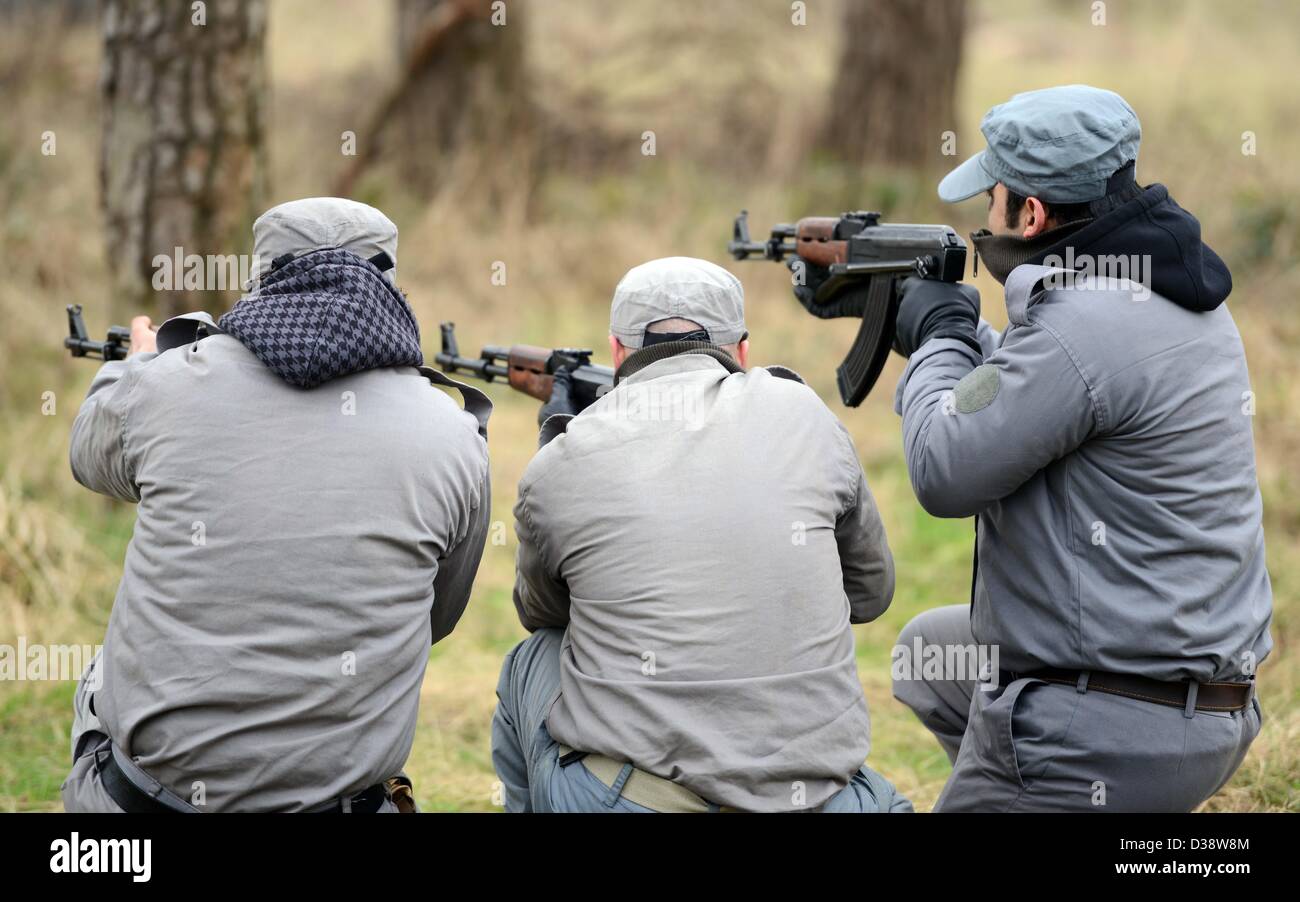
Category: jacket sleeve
[541,596]
[456,571]
[974,431]
[988,337]
[98,449]
[865,559]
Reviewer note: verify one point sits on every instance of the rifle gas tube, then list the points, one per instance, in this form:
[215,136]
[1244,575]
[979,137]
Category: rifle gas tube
[528,368]
[79,342]
[865,260]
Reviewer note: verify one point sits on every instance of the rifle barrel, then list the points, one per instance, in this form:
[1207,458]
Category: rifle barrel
[741,250]
[475,366]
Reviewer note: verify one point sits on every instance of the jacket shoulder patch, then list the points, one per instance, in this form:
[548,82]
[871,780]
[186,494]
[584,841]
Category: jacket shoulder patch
[977,389]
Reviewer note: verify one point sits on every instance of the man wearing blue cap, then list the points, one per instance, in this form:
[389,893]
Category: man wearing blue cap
[1103,445]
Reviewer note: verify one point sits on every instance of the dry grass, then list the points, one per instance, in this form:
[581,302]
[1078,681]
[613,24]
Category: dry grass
[731,90]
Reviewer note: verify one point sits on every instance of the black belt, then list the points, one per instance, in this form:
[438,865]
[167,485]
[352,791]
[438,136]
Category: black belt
[1204,697]
[134,800]
[129,797]
[367,801]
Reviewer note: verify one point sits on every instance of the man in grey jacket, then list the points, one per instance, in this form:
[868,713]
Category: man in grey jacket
[1103,445]
[310,516]
[692,550]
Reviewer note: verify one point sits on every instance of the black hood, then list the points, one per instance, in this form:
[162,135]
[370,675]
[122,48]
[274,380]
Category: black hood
[323,315]
[1183,268]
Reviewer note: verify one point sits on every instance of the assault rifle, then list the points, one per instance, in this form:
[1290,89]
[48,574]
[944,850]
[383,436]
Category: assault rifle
[851,265]
[79,342]
[528,368]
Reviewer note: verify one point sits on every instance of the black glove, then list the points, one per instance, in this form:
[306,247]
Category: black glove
[813,277]
[561,400]
[845,303]
[931,309]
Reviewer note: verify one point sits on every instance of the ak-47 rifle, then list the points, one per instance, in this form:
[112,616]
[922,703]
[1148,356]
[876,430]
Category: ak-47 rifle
[79,342]
[852,265]
[528,368]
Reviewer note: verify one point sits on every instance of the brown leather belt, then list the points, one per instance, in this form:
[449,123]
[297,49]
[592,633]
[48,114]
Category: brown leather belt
[1186,694]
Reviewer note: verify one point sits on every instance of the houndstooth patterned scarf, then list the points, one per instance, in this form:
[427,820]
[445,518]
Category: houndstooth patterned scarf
[323,315]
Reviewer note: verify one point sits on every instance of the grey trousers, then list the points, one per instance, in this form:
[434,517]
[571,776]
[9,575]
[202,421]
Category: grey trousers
[527,758]
[1037,746]
[82,790]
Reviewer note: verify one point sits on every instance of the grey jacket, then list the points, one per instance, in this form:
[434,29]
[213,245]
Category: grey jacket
[707,536]
[296,552]
[1103,443]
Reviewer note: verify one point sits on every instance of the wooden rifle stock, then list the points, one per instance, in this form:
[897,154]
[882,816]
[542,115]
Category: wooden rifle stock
[528,368]
[528,374]
[815,241]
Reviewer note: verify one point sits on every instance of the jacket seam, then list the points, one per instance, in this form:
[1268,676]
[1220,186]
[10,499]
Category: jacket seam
[534,535]
[481,507]
[1077,588]
[853,471]
[125,429]
[1098,405]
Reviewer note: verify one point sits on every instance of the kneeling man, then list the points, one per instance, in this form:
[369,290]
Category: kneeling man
[310,516]
[692,550]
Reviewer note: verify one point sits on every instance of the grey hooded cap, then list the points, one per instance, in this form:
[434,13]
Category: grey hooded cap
[678,287]
[314,223]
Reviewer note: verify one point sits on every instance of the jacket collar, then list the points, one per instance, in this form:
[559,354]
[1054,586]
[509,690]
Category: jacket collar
[1022,288]
[185,329]
[674,357]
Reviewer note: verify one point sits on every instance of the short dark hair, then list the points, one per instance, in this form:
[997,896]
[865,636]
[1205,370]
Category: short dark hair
[1060,214]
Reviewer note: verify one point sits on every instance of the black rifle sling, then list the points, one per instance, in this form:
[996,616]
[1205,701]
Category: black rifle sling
[477,403]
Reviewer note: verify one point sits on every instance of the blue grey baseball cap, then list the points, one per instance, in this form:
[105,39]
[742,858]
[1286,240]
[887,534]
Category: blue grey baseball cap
[1058,144]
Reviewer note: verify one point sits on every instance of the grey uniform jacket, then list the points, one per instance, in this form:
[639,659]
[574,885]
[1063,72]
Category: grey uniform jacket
[707,537]
[1104,444]
[296,551]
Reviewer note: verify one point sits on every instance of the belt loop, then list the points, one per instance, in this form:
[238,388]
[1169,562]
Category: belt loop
[347,804]
[615,791]
[1193,688]
[1081,684]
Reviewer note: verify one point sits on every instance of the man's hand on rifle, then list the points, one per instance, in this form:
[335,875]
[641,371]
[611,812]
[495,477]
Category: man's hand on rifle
[931,309]
[561,400]
[144,337]
[808,279]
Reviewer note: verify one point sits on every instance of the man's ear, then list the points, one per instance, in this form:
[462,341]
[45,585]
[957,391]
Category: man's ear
[1034,216]
[742,354]
[617,352]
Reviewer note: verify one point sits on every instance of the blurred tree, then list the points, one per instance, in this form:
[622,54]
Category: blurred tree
[70,11]
[182,162]
[893,94]
[467,90]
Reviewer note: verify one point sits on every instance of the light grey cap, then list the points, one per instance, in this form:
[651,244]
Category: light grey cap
[315,223]
[678,287]
[1059,144]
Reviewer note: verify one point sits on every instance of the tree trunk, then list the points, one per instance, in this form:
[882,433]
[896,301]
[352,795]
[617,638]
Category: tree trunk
[470,93]
[183,161]
[893,95]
